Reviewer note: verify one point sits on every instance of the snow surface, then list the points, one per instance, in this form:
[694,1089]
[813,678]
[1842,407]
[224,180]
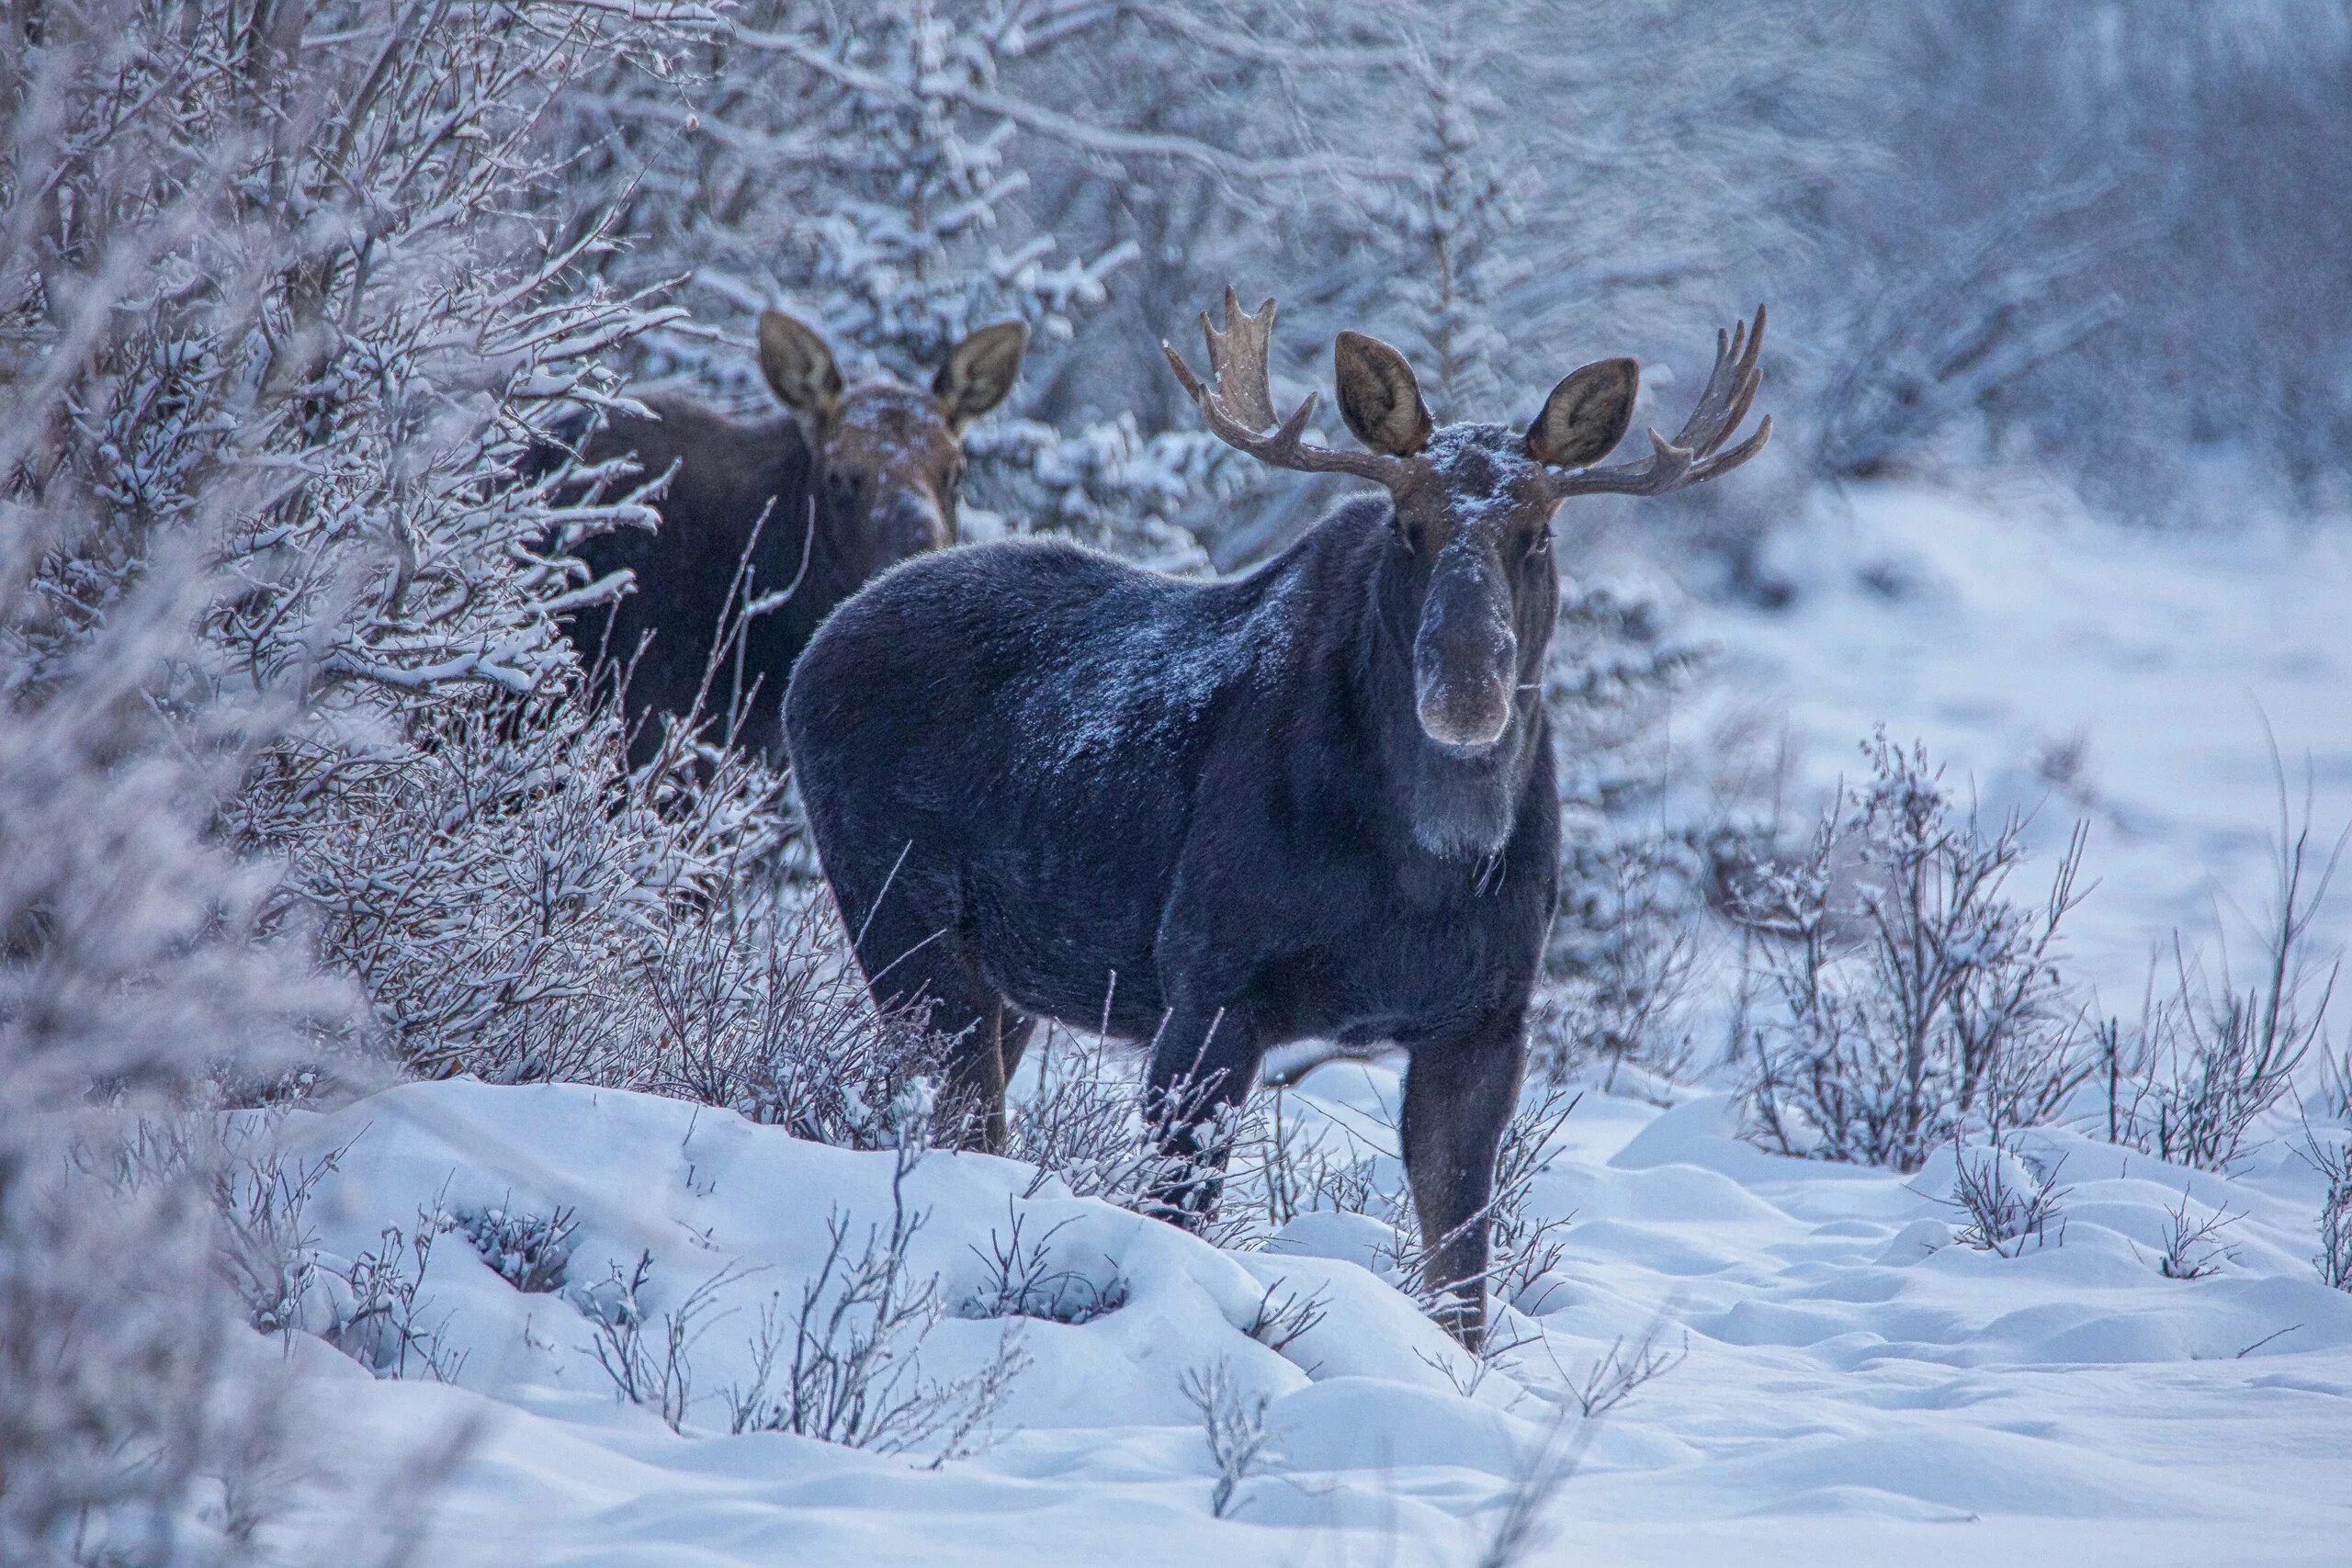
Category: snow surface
[1855,1386]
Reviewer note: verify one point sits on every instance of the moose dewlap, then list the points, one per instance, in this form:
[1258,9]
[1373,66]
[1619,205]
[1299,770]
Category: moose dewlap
[1313,801]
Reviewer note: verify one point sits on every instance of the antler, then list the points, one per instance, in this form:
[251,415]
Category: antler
[1690,457]
[1240,404]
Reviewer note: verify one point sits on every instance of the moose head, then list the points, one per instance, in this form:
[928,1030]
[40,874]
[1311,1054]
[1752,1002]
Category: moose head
[1472,581]
[889,459]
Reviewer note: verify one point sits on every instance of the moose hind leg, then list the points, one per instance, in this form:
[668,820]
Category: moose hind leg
[1460,1093]
[1203,1066]
[915,962]
[979,1064]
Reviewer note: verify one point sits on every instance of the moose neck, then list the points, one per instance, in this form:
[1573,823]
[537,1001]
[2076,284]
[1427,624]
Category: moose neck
[1457,806]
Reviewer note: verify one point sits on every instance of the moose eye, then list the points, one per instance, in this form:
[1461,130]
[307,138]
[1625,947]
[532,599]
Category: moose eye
[1541,545]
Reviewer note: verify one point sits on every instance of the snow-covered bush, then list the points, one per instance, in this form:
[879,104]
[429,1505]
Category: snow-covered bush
[1084,1124]
[1913,1001]
[649,1360]
[1025,1280]
[2211,1057]
[142,966]
[2007,1205]
[1233,1423]
[844,1363]
[293,762]
[2333,1260]
[530,1252]
[2194,1247]
[752,1002]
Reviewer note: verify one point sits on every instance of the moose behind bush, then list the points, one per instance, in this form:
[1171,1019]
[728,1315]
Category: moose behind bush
[1316,800]
[797,511]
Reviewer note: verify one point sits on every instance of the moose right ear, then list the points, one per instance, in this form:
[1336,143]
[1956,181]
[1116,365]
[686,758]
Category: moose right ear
[979,371]
[1587,414]
[1379,397]
[798,365]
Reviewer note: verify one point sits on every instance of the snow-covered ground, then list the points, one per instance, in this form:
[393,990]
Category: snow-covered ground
[1858,1386]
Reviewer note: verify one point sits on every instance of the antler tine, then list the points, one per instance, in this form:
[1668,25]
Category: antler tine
[1730,387]
[1237,403]
[1238,359]
[1691,456]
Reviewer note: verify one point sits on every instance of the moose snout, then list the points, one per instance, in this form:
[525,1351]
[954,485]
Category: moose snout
[1465,662]
[909,521]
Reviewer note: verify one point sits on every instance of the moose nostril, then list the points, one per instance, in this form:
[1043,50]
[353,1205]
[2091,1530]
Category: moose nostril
[1468,715]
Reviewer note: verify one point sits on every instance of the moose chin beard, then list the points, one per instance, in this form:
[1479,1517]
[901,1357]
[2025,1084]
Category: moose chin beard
[1464,800]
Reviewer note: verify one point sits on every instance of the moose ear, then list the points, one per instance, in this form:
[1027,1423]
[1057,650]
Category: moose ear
[1586,415]
[798,365]
[980,370]
[1378,396]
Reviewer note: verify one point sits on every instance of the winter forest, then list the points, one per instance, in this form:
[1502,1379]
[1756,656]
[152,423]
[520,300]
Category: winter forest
[442,1115]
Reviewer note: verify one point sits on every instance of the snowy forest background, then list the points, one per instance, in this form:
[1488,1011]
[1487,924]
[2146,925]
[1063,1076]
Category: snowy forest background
[303,793]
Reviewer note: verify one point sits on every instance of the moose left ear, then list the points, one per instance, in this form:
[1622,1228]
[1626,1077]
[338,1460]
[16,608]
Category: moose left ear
[1587,414]
[980,370]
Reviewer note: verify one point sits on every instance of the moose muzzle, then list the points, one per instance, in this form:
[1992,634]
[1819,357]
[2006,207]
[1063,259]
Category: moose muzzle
[908,522]
[1466,657]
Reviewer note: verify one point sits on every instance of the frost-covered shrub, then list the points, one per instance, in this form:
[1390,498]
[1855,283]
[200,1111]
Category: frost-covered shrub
[1233,1423]
[1084,1124]
[1910,999]
[510,897]
[273,317]
[140,964]
[648,1359]
[2333,1261]
[2194,1247]
[350,323]
[530,1252]
[378,1317]
[1298,1173]
[2209,1058]
[1025,1280]
[843,1364]
[2007,1205]
[753,1003]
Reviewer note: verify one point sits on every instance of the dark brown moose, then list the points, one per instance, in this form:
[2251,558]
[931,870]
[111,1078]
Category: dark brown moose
[1313,801]
[787,517]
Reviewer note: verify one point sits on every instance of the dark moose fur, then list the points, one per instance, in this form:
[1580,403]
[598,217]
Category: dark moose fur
[803,507]
[1044,782]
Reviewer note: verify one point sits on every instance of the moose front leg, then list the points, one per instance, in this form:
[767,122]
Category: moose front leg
[1461,1091]
[1203,1066]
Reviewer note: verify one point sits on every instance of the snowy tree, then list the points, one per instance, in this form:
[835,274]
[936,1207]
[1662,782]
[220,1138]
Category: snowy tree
[886,205]
[1450,223]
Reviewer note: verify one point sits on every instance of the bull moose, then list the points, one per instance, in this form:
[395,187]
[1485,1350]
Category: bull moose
[801,507]
[1316,800]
